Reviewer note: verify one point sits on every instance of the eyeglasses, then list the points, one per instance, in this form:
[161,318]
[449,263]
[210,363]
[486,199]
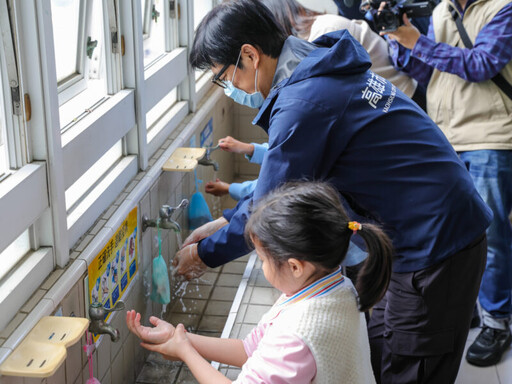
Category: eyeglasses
[216,79]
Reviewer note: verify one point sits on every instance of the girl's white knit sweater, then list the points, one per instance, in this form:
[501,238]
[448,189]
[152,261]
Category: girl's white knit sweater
[335,332]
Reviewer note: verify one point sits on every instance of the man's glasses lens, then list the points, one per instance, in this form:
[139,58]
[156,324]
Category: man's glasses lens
[216,79]
[220,83]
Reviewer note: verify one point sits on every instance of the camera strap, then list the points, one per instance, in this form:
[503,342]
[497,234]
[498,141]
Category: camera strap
[499,80]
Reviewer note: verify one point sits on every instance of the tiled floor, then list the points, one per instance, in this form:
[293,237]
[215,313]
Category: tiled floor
[500,373]
[259,296]
[230,303]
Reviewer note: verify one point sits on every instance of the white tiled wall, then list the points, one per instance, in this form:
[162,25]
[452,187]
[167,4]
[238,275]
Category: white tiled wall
[120,362]
[245,131]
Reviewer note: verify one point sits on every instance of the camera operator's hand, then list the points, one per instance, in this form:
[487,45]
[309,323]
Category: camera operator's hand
[407,34]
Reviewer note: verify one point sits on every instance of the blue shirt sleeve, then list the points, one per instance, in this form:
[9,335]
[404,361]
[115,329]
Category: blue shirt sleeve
[491,51]
[239,190]
[289,133]
[258,154]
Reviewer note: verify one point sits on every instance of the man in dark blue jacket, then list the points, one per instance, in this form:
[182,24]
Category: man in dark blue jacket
[330,118]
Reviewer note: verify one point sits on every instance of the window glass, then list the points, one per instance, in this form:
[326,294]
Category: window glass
[201,8]
[161,108]
[81,187]
[14,253]
[94,90]
[154,30]
[66,35]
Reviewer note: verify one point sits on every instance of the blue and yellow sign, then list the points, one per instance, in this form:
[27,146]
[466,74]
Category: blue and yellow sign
[112,270]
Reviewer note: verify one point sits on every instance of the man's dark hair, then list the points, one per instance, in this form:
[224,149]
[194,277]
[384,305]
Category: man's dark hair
[230,25]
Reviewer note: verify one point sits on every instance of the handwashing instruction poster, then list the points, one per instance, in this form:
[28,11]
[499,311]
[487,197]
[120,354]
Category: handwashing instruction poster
[112,270]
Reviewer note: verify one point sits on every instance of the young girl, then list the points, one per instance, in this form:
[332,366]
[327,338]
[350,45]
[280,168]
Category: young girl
[315,332]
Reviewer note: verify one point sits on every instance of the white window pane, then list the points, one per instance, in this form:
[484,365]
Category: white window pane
[201,8]
[198,74]
[154,33]
[161,108]
[66,24]
[14,253]
[89,96]
[80,187]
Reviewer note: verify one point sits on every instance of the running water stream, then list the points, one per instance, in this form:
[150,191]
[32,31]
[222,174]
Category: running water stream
[216,204]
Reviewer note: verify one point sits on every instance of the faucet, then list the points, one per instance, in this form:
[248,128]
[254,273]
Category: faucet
[97,314]
[206,160]
[167,217]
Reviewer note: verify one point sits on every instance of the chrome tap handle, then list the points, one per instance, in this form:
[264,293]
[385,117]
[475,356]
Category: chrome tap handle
[98,312]
[168,212]
[118,307]
[183,204]
[212,148]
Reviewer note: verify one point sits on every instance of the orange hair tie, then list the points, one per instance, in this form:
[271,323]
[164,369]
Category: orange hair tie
[354,226]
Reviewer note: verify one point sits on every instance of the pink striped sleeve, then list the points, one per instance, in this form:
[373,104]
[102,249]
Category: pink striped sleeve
[279,359]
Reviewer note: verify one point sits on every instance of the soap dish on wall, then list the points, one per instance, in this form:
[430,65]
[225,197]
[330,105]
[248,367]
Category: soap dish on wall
[184,159]
[42,352]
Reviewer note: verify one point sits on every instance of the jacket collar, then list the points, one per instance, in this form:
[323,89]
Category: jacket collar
[293,52]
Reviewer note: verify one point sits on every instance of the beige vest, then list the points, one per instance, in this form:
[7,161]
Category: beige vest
[335,332]
[473,116]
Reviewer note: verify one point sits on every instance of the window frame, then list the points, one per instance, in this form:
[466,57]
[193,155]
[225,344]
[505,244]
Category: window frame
[202,82]
[12,88]
[170,71]
[51,161]
[146,18]
[76,83]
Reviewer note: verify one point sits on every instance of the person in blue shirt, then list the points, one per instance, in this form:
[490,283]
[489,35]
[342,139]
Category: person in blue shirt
[253,152]
[329,118]
[476,117]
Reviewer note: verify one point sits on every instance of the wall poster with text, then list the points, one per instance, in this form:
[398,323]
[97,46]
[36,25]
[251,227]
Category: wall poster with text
[112,270]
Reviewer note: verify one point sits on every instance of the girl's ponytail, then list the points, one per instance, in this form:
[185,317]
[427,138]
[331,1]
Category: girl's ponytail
[373,278]
[307,221]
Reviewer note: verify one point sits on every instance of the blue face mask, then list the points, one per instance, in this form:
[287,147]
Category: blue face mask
[253,100]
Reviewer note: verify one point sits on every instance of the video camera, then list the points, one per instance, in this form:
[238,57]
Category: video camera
[389,18]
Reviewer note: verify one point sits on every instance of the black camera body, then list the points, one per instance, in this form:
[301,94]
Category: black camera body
[390,17]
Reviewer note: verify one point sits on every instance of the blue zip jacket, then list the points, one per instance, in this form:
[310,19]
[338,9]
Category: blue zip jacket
[333,119]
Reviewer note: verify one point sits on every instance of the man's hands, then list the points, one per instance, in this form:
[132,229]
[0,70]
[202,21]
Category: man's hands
[204,231]
[407,35]
[187,262]
[229,144]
